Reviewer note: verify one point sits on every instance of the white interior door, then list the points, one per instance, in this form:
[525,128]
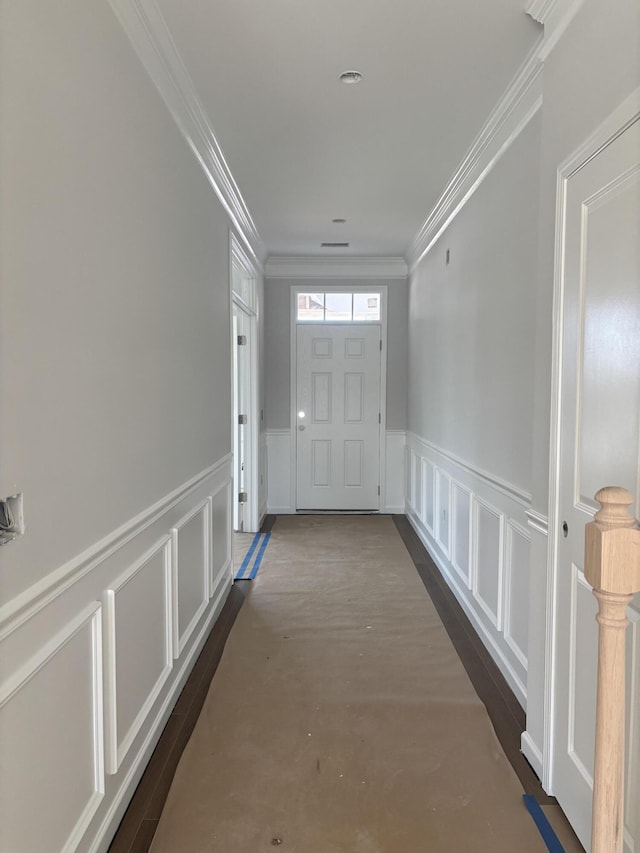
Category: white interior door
[242,414]
[599,446]
[338,417]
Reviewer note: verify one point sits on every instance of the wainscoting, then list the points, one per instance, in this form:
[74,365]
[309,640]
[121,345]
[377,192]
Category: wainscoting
[94,658]
[281,479]
[475,527]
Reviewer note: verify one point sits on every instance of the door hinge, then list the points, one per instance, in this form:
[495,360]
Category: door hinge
[379,417]
[242,497]
[242,419]
[378,491]
[380,346]
[242,340]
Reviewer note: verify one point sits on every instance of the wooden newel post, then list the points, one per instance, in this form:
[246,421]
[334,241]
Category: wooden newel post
[612,567]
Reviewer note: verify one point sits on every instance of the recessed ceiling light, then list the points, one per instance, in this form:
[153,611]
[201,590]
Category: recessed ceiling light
[339,221]
[350,77]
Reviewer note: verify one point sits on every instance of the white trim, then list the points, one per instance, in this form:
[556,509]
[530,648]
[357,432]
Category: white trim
[147,31]
[539,9]
[440,475]
[618,121]
[384,303]
[115,753]
[494,617]
[531,753]
[508,489]
[508,119]
[181,639]
[556,15]
[512,528]
[496,652]
[537,521]
[337,268]
[25,605]
[252,315]
[138,765]
[456,487]
[91,614]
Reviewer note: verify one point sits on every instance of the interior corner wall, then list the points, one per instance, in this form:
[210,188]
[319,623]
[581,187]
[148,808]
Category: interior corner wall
[278,347]
[115,395]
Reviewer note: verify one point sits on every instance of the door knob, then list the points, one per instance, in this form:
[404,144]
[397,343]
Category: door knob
[301,427]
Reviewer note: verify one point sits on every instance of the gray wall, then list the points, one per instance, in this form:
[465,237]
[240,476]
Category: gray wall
[278,347]
[115,373]
[472,323]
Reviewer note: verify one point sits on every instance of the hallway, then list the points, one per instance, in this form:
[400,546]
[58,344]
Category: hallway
[335,716]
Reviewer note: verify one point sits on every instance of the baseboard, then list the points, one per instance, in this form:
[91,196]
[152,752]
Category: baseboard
[531,753]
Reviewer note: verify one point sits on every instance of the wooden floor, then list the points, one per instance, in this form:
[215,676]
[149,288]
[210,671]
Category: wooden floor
[139,823]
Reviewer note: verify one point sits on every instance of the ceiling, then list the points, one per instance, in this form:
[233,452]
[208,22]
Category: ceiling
[304,148]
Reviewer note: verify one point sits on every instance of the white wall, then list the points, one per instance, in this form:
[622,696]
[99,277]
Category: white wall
[115,422]
[470,401]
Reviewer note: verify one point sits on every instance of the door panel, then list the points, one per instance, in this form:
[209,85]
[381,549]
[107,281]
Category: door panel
[338,408]
[599,446]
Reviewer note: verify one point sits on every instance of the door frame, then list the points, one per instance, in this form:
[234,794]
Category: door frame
[312,286]
[626,114]
[245,298]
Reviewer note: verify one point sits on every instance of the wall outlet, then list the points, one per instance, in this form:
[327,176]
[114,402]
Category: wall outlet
[11,518]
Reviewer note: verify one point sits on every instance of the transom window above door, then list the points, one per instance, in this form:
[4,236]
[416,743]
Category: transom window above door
[338,307]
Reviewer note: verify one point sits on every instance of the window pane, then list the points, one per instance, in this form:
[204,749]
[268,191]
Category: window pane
[338,307]
[311,307]
[366,306]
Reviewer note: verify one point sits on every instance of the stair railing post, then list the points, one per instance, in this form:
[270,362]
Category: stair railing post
[612,567]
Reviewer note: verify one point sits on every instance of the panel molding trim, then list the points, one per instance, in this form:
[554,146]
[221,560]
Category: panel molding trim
[537,521]
[152,42]
[90,615]
[180,639]
[509,489]
[24,606]
[117,749]
[476,532]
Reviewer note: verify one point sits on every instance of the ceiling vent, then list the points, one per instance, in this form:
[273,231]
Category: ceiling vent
[334,245]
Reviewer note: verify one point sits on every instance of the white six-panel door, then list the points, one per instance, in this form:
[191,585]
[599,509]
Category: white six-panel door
[338,414]
[599,446]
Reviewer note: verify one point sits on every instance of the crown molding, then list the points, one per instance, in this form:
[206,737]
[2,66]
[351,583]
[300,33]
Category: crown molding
[510,116]
[314,266]
[152,42]
[555,15]
[540,9]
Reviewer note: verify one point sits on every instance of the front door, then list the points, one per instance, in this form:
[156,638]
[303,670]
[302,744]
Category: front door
[338,417]
[599,446]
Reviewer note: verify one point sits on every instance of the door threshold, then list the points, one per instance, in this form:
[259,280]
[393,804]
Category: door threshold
[337,512]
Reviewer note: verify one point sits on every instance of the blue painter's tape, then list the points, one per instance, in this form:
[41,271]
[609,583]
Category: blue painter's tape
[263,548]
[248,556]
[544,827]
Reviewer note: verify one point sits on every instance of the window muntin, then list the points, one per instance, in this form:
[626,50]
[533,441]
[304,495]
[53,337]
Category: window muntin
[338,307]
